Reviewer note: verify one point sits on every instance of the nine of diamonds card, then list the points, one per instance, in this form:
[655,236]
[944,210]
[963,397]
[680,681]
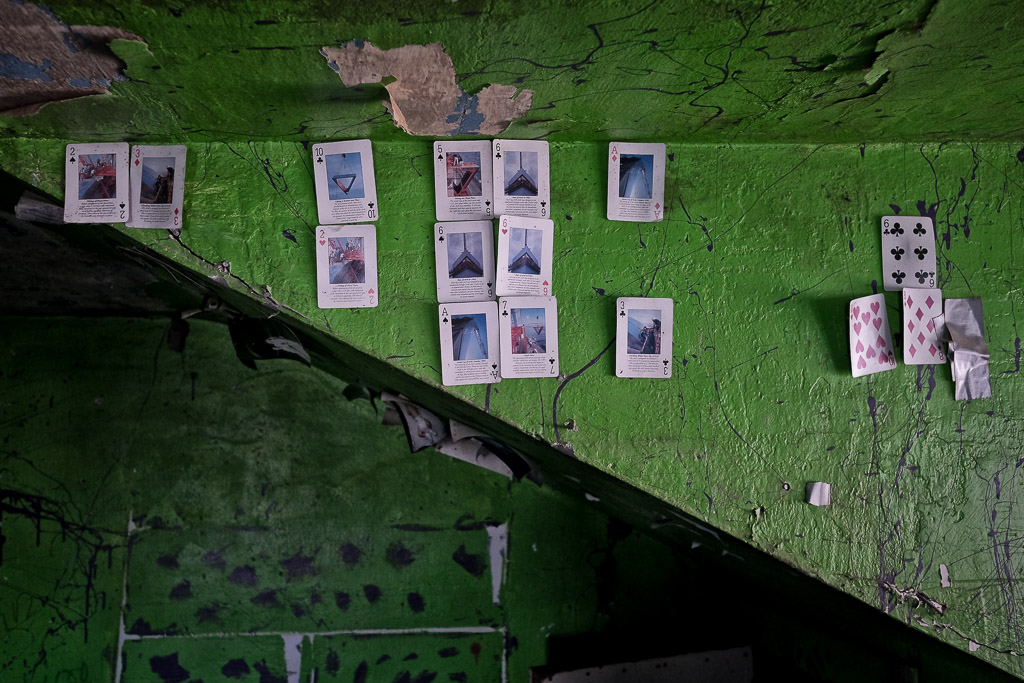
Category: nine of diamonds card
[469,343]
[464,257]
[923,327]
[643,337]
[346,266]
[462,180]
[529,336]
[524,256]
[908,252]
[346,191]
[157,175]
[636,182]
[96,183]
[522,184]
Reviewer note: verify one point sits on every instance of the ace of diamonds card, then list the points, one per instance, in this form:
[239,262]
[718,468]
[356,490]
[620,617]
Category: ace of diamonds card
[346,191]
[636,182]
[157,175]
[96,183]
[346,266]
[462,180]
[469,343]
[529,336]
[643,337]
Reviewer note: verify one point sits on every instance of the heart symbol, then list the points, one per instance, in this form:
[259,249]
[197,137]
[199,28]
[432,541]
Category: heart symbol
[883,358]
[504,231]
[545,282]
[877,322]
[860,347]
[871,352]
[866,317]
[321,243]
[874,307]
[856,312]
[370,292]
[861,364]
[856,330]
[881,342]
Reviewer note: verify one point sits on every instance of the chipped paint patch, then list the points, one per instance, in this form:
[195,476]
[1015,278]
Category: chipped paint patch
[424,97]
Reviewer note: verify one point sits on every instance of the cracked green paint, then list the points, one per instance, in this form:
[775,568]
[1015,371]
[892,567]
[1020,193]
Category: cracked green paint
[790,131]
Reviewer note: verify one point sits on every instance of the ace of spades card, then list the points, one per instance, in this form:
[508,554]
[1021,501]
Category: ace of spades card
[346,190]
[469,343]
[908,252]
[96,183]
[870,339]
[923,327]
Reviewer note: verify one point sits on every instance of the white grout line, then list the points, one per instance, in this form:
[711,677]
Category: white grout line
[293,655]
[122,636]
[497,545]
[342,632]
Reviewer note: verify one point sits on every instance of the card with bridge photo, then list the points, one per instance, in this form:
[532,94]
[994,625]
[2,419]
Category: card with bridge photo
[469,343]
[346,266]
[522,184]
[462,180]
[346,191]
[529,336]
[157,175]
[96,183]
[636,182]
[643,337]
[525,248]
[464,258]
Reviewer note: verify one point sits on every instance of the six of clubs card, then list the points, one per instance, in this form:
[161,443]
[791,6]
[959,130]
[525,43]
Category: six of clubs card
[643,337]
[529,336]
[524,256]
[464,256]
[157,175]
[462,181]
[469,343]
[96,183]
[636,182]
[870,340]
[923,327]
[908,252]
[522,184]
[346,191]
[346,266]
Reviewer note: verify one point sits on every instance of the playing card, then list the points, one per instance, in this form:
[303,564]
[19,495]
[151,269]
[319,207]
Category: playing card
[908,252]
[636,182]
[643,337]
[462,180]
[870,339]
[529,336]
[522,184]
[157,181]
[524,256]
[464,256]
[346,266]
[346,191]
[469,343]
[923,327]
[96,183]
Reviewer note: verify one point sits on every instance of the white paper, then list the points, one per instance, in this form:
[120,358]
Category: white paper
[346,266]
[870,339]
[525,250]
[908,252]
[819,493]
[157,180]
[469,343]
[643,337]
[96,183]
[522,184]
[636,182]
[923,327]
[346,190]
[462,180]
[529,336]
[464,261]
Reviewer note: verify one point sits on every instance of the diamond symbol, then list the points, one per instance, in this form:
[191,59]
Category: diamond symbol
[175,212]
[921,338]
[932,349]
[913,351]
[919,314]
[910,325]
[929,302]
[657,205]
[930,326]
[136,162]
[910,302]
[614,158]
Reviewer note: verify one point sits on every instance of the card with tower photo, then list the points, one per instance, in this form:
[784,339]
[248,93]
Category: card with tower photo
[636,182]
[346,266]
[157,175]
[469,343]
[522,184]
[96,183]
[346,191]
[462,180]
[643,337]
[529,336]
[908,252]
[464,258]
[525,247]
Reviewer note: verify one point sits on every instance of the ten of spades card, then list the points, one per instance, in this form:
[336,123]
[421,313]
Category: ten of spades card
[522,184]
[346,191]
[346,266]
[636,182]
[870,339]
[524,256]
[464,257]
[908,252]
[96,183]
[469,343]
[462,180]
[643,337]
[157,180]
[529,336]
[923,327]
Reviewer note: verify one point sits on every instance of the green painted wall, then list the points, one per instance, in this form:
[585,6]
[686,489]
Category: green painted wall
[830,118]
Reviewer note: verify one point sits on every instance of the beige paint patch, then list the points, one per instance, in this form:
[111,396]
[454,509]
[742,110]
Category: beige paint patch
[424,97]
[45,60]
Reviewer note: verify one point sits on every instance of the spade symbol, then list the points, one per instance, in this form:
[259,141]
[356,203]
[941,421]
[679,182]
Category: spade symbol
[121,205]
[488,284]
[488,203]
[72,160]
[494,366]
[444,320]
[441,238]
[439,157]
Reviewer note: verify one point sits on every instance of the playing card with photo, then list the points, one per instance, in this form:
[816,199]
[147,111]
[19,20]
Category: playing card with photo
[464,257]
[522,184]
[643,337]
[870,339]
[469,343]
[157,180]
[346,191]
[525,248]
[462,180]
[636,182]
[923,327]
[346,266]
[96,183]
[908,252]
[529,336]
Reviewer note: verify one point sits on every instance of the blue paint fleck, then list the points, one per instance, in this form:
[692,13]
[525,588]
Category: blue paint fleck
[14,67]
[466,115]
[66,36]
[80,82]
[105,82]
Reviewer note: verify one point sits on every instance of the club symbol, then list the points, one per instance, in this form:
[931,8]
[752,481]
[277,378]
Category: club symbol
[319,160]
[665,362]
[371,205]
[505,314]
[622,314]
[920,230]
[543,204]
[551,360]
[898,276]
[897,252]
[921,276]
[896,229]
[498,155]
[921,252]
